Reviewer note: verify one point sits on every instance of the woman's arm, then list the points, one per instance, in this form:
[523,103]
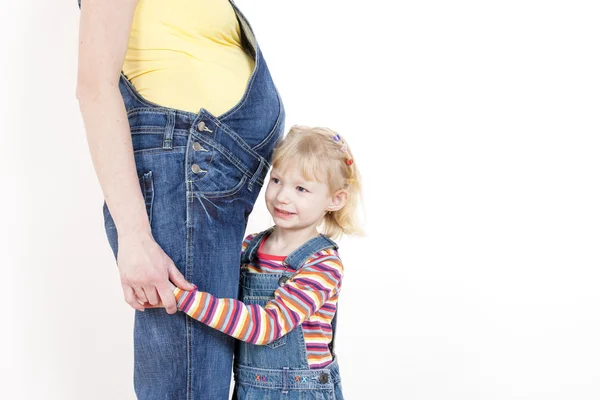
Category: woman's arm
[103,36]
[301,297]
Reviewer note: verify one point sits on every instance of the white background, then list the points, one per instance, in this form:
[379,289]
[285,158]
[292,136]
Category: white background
[476,127]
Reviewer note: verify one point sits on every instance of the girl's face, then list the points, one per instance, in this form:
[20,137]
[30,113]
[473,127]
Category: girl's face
[297,203]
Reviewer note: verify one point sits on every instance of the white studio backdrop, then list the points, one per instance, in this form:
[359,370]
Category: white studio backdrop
[475,125]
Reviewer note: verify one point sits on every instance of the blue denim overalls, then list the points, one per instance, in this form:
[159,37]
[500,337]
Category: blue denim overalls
[200,175]
[280,370]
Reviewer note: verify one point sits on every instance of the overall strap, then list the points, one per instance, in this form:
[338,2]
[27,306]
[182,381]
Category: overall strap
[250,253]
[299,256]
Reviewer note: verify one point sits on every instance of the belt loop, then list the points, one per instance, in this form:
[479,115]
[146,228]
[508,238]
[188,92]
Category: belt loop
[286,371]
[257,174]
[169,128]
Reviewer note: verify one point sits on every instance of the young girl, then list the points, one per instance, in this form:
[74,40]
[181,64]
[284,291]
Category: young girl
[291,275]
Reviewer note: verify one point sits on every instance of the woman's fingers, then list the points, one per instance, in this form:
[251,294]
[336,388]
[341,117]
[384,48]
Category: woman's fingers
[141,296]
[151,295]
[178,279]
[131,298]
[167,297]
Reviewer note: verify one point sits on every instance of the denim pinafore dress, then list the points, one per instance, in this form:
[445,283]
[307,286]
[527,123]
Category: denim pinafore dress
[200,175]
[280,370]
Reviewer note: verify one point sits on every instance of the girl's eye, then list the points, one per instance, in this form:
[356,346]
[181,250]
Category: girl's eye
[275,180]
[300,188]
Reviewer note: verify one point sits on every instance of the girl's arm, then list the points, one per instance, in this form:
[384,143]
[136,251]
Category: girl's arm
[103,36]
[302,296]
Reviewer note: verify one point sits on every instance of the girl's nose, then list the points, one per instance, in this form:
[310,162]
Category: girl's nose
[282,196]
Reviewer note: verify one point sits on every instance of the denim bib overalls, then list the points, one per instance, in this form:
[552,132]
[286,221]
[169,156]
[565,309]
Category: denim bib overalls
[200,175]
[280,370]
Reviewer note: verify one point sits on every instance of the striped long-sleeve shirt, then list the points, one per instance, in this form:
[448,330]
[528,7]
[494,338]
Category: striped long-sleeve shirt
[308,298]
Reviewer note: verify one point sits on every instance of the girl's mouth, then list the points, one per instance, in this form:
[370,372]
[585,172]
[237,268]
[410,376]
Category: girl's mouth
[283,213]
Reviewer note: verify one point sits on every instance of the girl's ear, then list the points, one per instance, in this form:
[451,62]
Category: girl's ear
[338,200]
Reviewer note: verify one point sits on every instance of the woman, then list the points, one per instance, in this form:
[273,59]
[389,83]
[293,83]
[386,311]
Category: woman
[181,117]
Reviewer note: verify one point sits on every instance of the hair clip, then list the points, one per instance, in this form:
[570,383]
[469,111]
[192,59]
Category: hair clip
[344,149]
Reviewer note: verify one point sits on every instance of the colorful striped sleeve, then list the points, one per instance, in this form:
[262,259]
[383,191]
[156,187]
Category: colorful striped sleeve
[247,241]
[294,303]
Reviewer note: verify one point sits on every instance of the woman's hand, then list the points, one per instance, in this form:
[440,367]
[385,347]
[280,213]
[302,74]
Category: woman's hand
[160,304]
[147,272]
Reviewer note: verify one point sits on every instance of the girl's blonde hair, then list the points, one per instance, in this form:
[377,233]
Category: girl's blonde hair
[321,154]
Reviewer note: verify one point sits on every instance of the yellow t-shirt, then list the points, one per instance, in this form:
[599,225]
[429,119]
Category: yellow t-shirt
[187,54]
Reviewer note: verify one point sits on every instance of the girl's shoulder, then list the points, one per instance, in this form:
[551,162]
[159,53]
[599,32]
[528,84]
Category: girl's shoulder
[248,239]
[328,259]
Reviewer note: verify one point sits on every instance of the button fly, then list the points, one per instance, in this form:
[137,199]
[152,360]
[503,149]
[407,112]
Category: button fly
[197,146]
[196,169]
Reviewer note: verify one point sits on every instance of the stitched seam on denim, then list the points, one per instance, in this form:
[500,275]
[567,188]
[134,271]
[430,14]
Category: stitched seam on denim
[232,158]
[162,111]
[148,110]
[169,131]
[275,129]
[308,372]
[235,137]
[188,326]
[160,150]
[311,386]
[188,270]
[153,130]
[218,195]
[257,176]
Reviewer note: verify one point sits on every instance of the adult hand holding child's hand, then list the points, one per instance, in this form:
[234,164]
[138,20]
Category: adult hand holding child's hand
[146,273]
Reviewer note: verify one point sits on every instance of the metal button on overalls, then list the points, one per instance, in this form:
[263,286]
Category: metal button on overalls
[323,378]
[201,126]
[197,146]
[283,280]
[196,168]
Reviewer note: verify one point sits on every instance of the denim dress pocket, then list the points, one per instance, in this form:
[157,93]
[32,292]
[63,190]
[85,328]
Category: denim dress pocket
[262,301]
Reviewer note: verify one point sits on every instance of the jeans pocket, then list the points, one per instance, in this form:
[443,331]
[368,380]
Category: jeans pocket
[147,187]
